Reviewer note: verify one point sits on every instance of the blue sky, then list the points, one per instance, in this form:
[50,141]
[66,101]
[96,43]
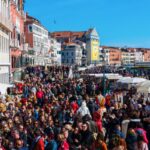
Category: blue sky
[118,22]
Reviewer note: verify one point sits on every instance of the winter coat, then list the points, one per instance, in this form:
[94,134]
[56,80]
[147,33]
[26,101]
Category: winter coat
[83,110]
[64,146]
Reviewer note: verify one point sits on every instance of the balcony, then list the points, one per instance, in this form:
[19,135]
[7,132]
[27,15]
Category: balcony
[25,46]
[5,22]
[14,43]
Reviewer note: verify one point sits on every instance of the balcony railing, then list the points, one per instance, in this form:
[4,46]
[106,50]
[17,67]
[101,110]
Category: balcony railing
[25,47]
[14,43]
[5,22]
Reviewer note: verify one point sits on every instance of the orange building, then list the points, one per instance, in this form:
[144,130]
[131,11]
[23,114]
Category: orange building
[114,55]
[146,55]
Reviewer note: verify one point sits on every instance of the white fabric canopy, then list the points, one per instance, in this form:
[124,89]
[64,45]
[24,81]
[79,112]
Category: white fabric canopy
[143,87]
[130,80]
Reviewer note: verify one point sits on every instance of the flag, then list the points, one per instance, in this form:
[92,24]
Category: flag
[70,76]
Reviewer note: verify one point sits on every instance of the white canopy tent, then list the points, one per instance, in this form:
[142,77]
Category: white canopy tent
[143,87]
[129,80]
[109,76]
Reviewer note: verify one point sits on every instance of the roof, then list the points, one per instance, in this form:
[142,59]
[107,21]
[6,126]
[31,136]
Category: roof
[68,34]
[31,20]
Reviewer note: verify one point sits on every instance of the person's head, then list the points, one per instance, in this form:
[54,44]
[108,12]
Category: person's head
[76,130]
[16,120]
[15,134]
[36,124]
[42,118]
[66,134]
[21,128]
[61,137]
[99,138]
[6,114]
[19,143]
[85,127]
[79,125]
[5,127]
[115,141]
[118,127]
[37,133]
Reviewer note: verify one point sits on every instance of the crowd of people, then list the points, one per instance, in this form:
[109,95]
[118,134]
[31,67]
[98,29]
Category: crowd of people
[52,112]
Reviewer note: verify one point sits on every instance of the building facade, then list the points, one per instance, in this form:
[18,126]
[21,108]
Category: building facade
[5,29]
[89,37]
[104,56]
[114,56]
[92,47]
[37,38]
[146,55]
[138,56]
[72,55]
[17,42]
[55,51]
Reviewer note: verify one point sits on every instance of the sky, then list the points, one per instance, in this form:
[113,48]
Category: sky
[118,22]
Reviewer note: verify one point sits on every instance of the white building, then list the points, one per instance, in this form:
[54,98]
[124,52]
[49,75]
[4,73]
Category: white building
[37,38]
[104,56]
[40,44]
[55,51]
[5,28]
[138,56]
[72,55]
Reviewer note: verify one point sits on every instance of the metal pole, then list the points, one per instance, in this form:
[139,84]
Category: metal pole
[104,92]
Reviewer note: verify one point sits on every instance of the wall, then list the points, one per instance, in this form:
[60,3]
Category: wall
[4,42]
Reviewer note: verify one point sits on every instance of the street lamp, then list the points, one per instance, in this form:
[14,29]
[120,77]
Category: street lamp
[104,89]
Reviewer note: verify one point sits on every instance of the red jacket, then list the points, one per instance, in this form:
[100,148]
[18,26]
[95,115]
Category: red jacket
[40,144]
[97,119]
[64,146]
[39,94]
[74,106]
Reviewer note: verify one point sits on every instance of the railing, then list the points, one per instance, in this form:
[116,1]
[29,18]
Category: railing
[14,43]
[25,47]
[5,22]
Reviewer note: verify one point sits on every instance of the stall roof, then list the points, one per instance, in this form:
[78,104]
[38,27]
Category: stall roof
[109,76]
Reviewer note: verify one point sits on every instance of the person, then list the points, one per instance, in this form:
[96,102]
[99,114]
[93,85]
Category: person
[83,110]
[100,144]
[63,142]
[131,139]
[141,144]
[19,145]
[52,143]
[76,137]
[38,143]
[116,144]
[60,114]
[86,134]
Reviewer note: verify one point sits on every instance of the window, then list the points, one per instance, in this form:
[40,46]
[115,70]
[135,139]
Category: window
[72,53]
[30,28]
[72,61]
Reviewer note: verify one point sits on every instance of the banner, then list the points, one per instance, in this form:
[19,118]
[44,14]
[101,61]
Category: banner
[94,50]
